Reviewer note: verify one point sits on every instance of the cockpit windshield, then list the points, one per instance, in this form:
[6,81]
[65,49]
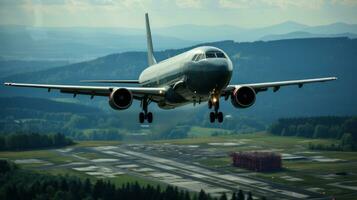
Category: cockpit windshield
[198,57]
[215,54]
[208,54]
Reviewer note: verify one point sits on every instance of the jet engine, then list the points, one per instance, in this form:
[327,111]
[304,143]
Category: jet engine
[120,99]
[243,97]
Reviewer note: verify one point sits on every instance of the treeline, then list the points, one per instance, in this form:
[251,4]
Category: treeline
[75,126]
[20,184]
[97,134]
[341,128]
[80,122]
[346,143]
[22,141]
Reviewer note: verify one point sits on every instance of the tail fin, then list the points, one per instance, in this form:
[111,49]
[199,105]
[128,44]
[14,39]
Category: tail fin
[151,58]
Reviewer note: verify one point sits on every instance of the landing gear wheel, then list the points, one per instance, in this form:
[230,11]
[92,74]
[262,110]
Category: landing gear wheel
[212,117]
[149,117]
[213,102]
[141,117]
[220,117]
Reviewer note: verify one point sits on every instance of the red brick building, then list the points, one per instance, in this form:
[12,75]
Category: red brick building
[257,161]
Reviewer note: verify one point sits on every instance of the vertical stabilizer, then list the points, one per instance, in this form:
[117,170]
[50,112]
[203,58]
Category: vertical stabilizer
[151,58]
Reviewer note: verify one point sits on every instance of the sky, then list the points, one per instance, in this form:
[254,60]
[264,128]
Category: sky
[130,13]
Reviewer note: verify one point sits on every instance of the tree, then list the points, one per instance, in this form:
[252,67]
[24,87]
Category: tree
[58,139]
[87,186]
[290,131]
[21,141]
[234,196]
[77,121]
[187,196]
[250,197]
[321,131]
[5,166]
[350,126]
[276,128]
[223,197]
[2,143]
[240,195]
[305,130]
[347,142]
[202,195]
[335,132]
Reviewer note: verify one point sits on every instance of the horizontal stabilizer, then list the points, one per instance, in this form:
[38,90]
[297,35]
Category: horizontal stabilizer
[109,81]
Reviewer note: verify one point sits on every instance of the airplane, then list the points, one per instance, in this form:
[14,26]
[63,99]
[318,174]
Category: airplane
[199,75]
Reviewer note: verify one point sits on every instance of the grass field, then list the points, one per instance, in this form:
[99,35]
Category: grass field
[46,155]
[196,131]
[95,143]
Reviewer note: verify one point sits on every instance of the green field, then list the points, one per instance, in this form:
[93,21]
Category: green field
[196,131]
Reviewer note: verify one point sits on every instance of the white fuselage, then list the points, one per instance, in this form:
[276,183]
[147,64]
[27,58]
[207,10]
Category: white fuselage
[191,76]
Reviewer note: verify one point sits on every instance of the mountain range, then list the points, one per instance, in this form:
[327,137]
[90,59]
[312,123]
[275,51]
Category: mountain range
[81,43]
[226,32]
[302,34]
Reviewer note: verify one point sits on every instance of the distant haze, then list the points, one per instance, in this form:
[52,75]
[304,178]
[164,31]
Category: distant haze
[129,13]
[77,44]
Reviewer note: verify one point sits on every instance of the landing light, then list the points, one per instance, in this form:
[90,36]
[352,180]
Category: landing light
[214,99]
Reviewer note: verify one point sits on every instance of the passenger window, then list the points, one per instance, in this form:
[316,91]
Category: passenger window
[194,57]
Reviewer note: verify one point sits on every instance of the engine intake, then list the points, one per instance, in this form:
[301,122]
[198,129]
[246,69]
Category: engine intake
[243,97]
[120,99]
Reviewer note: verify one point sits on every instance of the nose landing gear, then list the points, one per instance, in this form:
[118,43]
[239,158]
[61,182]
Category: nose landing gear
[214,102]
[145,114]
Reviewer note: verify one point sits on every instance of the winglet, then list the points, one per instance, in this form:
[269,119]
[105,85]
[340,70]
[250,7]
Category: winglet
[151,58]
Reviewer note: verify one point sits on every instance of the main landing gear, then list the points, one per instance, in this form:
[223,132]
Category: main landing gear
[214,102]
[145,115]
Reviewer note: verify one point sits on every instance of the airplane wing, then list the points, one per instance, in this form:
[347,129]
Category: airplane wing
[110,81]
[138,92]
[259,87]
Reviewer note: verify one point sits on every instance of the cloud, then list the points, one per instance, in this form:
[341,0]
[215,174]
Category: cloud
[345,2]
[236,3]
[189,3]
[282,4]
[171,12]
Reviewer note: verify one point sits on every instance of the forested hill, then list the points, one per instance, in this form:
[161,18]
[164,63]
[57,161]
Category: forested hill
[11,104]
[253,62]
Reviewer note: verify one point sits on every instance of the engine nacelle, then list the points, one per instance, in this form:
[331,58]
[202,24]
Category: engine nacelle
[243,97]
[120,99]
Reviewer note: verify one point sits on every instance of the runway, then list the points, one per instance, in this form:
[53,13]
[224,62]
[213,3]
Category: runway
[175,165]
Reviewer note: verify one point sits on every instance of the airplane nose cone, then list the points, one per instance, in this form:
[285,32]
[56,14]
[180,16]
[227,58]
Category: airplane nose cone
[209,75]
